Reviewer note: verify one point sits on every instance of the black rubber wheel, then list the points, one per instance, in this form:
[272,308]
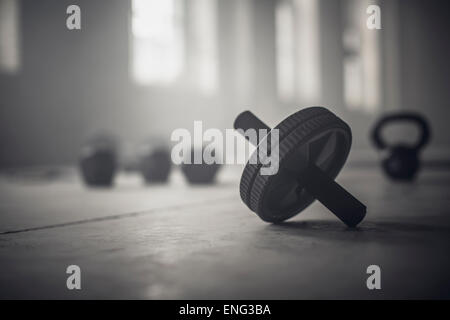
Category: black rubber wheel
[310,135]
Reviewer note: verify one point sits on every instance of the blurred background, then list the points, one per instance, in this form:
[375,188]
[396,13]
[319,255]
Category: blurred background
[141,68]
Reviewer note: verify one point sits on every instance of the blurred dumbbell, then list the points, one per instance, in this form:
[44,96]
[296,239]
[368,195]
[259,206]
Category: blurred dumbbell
[155,164]
[98,161]
[201,173]
[402,161]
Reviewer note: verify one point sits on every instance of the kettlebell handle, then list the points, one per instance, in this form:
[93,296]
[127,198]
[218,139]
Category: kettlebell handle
[399,117]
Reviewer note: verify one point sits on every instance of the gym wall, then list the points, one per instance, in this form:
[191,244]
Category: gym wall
[74,84]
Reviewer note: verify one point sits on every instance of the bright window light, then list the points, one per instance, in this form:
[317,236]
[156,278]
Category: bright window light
[244,51]
[158,42]
[9,36]
[362,75]
[298,50]
[308,50]
[285,43]
[203,44]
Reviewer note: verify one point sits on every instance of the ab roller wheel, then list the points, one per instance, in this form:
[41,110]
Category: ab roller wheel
[313,147]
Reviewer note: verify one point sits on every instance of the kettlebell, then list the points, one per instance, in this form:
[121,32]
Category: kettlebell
[155,164]
[98,161]
[200,173]
[402,161]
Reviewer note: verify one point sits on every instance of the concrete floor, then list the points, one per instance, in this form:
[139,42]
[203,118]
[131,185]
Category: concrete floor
[177,241]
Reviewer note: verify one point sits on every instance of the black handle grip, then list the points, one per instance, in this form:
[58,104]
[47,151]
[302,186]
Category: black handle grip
[332,195]
[247,120]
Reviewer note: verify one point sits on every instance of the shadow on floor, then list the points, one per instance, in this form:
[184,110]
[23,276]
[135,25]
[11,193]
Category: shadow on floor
[368,231]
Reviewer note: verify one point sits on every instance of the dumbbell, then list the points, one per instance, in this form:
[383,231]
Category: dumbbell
[313,147]
[98,161]
[201,173]
[155,164]
[402,161]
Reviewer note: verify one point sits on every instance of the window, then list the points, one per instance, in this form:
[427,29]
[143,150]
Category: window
[158,42]
[9,36]
[362,86]
[243,50]
[298,50]
[203,37]
[175,41]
